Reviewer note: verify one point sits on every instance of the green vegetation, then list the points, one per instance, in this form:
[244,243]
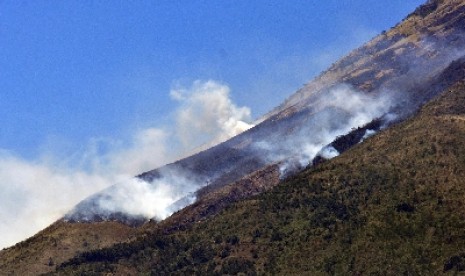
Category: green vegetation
[391,205]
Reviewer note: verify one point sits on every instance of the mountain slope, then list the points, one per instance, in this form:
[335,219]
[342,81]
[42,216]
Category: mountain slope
[407,63]
[401,58]
[391,205]
[58,243]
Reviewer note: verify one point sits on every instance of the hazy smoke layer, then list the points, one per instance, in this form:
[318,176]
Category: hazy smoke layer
[335,112]
[207,112]
[207,116]
[35,193]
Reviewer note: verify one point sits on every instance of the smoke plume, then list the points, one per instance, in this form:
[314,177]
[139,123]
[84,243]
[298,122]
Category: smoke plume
[37,192]
[207,115]
[335,112]
[136,198]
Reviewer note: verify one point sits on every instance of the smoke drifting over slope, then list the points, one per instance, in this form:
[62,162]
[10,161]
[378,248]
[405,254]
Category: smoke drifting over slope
[136,198]
[35,193]
[335,112]
[171,188]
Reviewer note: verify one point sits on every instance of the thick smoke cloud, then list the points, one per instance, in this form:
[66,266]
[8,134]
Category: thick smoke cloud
[207,114]
[137,198]
[35,193]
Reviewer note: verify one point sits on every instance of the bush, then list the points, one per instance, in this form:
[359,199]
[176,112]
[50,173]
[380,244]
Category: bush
[234,266]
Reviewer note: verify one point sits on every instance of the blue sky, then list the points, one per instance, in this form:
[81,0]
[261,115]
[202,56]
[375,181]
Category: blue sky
[74,70]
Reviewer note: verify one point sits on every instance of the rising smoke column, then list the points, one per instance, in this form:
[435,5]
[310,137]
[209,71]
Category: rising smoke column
[35,193]
[207,116]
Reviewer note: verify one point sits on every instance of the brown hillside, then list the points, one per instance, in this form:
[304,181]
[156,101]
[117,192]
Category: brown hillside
[58,243]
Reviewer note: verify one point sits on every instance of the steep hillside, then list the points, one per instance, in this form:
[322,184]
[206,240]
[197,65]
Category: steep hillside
[63,240]
[390,74]
[391,205]
[399,59]
[211,203]
[58,243]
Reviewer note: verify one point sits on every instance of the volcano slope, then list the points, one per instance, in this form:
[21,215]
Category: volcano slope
[413,62]
[394,73]
[391,205]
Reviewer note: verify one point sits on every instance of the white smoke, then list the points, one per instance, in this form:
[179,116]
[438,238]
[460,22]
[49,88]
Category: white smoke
[328,152]
[34,194]
[368,133]
[207,114]
[336,113]
[37,192]
[156,199]
[148,149]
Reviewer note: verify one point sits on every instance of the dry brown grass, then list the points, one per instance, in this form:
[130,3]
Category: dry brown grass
[58,243]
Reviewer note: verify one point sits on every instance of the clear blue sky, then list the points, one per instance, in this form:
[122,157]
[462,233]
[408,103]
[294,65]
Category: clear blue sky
[73,70]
